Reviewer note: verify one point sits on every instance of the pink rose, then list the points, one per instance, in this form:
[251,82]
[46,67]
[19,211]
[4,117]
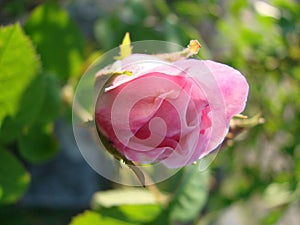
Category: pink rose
[173,113]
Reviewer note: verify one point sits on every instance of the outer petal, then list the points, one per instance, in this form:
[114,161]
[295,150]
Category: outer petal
[233,85]
[226,91]
[207,82]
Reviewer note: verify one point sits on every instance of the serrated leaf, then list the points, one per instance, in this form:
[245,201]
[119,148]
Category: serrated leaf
[94,218]
[37,145]
[58,40]
[14,179]
[18,67]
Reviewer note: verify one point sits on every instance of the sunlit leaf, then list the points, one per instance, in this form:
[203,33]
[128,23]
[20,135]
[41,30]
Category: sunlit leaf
[128,196]
[140,213]
[18,67]
[94,218]
[130,204]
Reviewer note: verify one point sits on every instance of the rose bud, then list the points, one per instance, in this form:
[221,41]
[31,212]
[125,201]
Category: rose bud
[155,111]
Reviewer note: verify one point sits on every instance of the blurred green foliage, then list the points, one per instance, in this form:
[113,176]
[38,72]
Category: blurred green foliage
[57,40]
[256,179]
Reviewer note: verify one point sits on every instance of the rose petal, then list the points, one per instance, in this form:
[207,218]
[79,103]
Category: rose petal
[233,86]
[207,82]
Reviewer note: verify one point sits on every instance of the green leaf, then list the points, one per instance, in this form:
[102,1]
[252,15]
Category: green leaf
[57,38]
[14,179]
[134,205]
[93,218]
[190,196]
[40,104]
[9,130]
[38,144]
[140,213]
[18,67]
